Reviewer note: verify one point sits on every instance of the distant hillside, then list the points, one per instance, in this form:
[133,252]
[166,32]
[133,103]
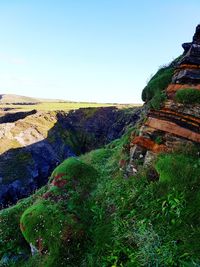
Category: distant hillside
[16,99]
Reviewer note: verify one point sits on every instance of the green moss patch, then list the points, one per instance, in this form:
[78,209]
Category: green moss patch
[78,175]
[47,226]
[56,223]
[11,238]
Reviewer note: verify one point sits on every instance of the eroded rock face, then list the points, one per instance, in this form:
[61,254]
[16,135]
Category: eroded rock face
[27,155]
[188,71]
[174,123]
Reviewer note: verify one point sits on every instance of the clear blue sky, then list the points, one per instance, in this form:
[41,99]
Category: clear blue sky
[90,50]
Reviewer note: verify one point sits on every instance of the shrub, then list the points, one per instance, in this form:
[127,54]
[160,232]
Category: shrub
[188,96]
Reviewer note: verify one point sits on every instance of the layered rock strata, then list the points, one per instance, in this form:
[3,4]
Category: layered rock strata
[174,123]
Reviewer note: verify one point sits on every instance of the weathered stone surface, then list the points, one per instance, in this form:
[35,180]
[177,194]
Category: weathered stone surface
[196,37]
[195,40]
[148,144]
[192,110]
[181,119]
[173,128]
[192,55]
[188,67]
[186,47]
[173,88]
[187,76]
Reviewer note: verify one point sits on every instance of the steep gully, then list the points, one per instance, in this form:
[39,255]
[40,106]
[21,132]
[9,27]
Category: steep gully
[25,169]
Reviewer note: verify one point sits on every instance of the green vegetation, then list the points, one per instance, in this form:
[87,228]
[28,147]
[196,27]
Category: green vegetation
[157,100]
[66,106]
[154,91]
[11,240]
[158,83]
[56,223]
[53,106]
[147,223]
[188,96]
[90,215]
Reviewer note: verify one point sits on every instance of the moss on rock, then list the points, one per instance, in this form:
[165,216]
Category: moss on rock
[57,220]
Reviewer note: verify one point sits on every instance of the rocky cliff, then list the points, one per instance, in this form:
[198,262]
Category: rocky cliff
[177,120]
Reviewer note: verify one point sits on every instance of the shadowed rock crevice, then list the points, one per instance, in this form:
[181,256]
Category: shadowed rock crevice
[12,117]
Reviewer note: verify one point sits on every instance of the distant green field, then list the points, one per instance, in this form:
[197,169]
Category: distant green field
[66,106]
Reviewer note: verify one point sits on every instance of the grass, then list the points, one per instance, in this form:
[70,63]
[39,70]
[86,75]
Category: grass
[188,96]
[142,223]
[157,100]
[66,106]
[154,91]
[90,215]
[158,83]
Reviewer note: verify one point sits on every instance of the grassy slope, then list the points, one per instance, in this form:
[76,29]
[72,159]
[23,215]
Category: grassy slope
[119,222]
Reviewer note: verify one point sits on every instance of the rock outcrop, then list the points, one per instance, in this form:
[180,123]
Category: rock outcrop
[174,123]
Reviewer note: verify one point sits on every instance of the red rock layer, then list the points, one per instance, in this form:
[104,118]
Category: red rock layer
[148,144]
[190,122]
[173,128]
[173,88]
[188,66]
